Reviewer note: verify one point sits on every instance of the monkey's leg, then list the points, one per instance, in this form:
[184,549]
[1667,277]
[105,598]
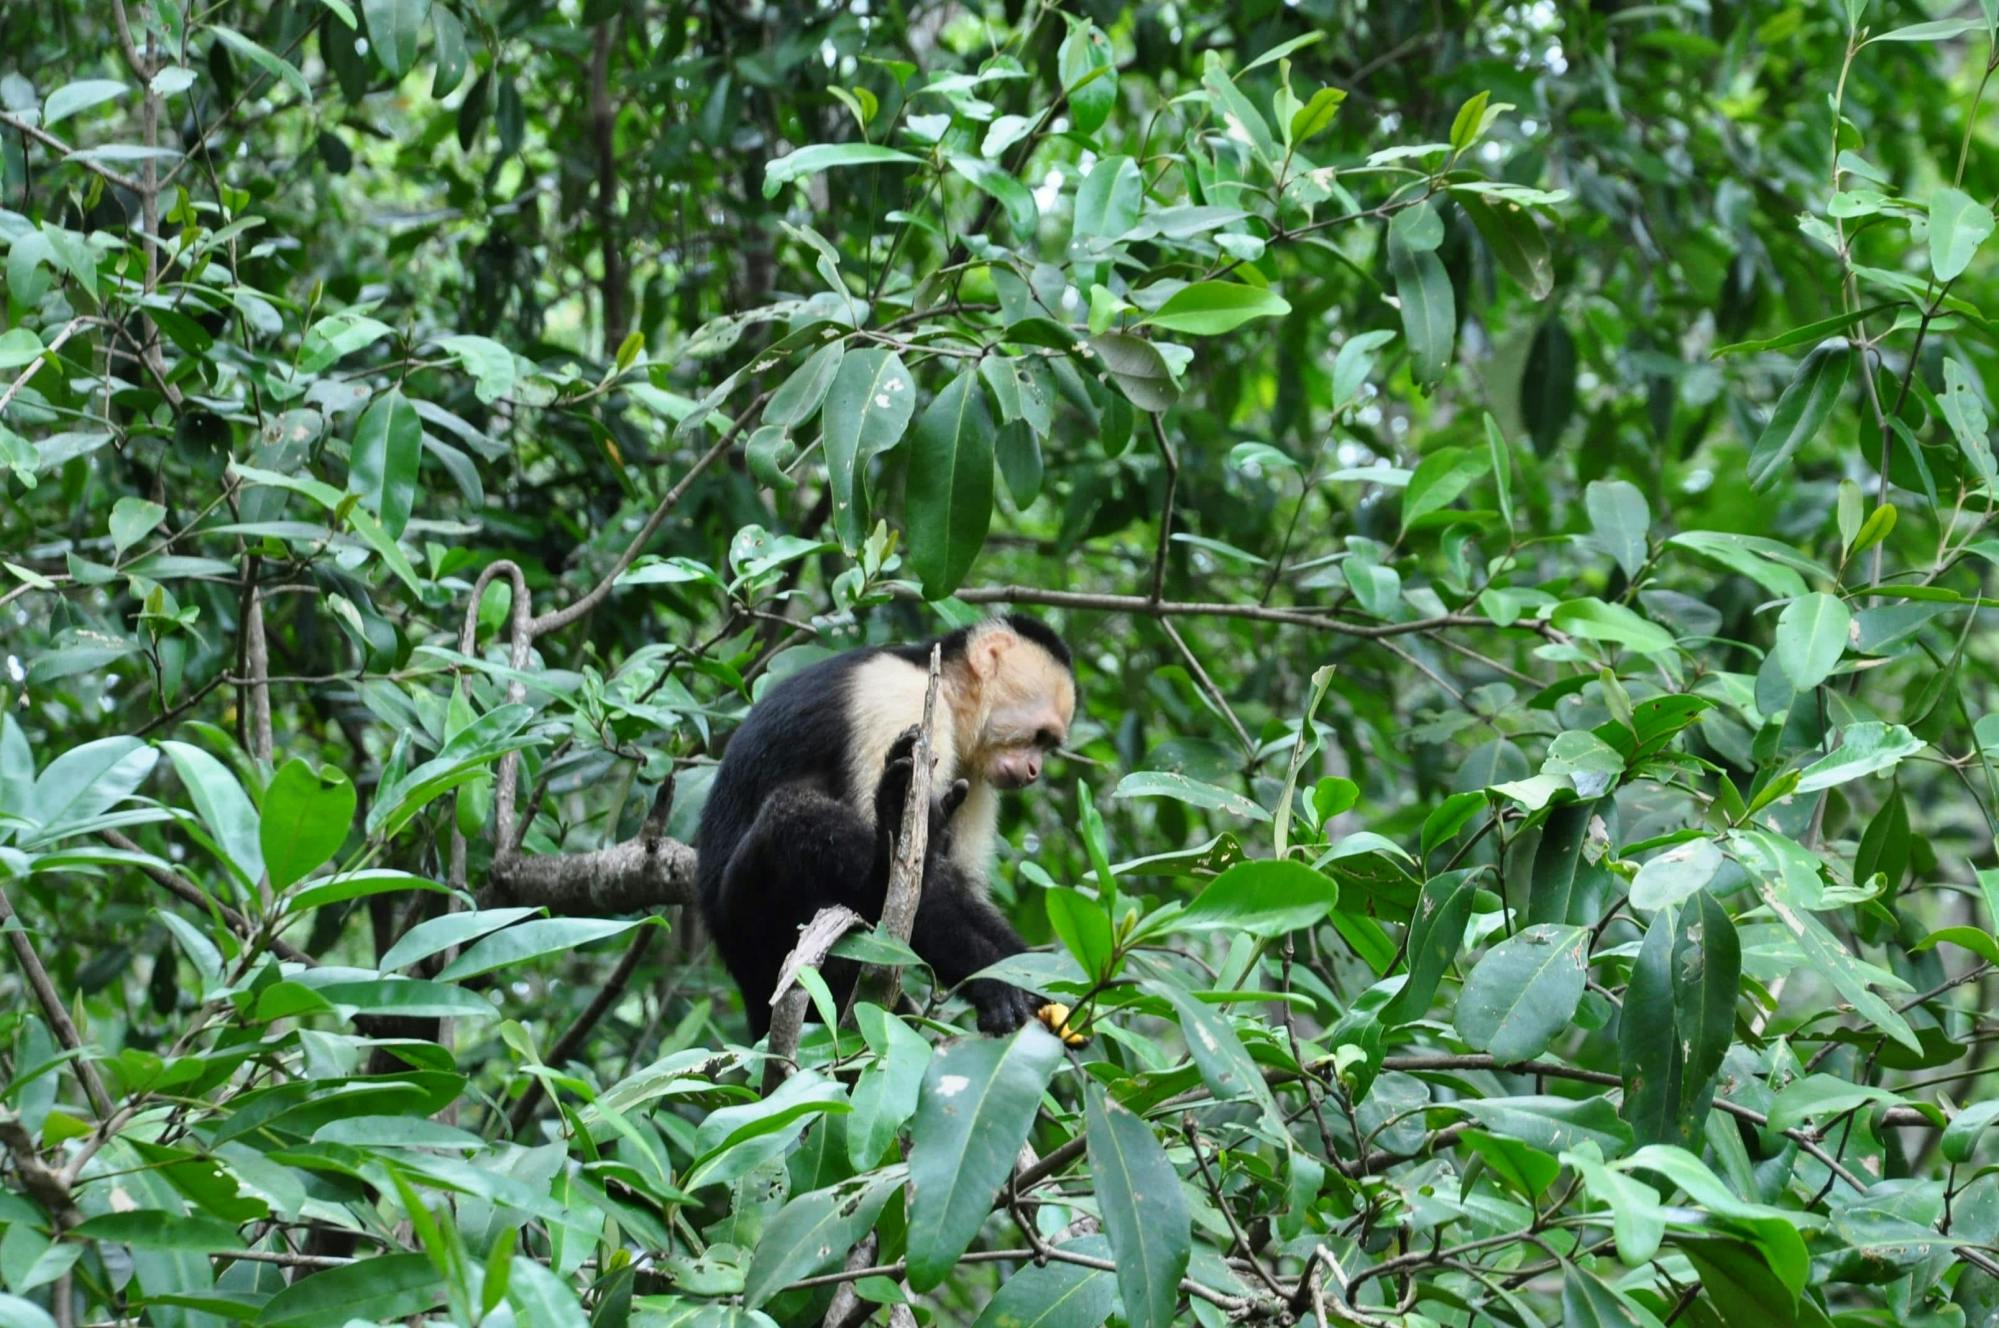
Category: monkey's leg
[804,851]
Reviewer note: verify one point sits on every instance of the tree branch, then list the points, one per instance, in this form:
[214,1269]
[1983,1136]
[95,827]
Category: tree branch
[51,1002]
[1147,607]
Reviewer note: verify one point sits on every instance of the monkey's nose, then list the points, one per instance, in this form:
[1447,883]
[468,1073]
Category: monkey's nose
[1033,768]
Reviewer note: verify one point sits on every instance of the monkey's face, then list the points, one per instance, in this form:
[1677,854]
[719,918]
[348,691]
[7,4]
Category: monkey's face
[1032,700]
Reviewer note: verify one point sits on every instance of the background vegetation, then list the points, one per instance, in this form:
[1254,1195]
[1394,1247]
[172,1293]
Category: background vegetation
[1517,477]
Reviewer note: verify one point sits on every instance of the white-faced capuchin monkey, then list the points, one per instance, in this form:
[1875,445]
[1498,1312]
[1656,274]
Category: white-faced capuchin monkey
[813,785]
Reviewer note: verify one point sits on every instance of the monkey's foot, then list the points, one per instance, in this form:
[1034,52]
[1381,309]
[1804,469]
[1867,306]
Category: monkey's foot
[1056,1016]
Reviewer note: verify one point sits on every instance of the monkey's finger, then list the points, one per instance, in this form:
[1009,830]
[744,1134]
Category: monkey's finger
[1056,1016]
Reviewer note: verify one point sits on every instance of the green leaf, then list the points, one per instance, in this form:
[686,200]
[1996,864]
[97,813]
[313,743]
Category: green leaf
[1800,412]
[1317,115]
[1596,620]
[1551,1124]
[949,495]
[1267,897]
[81,95]
[979,1098]
[1959,223]
[886,1093]
[531,940]
[1678,1020]
[993,179]
[1960,1137]
[1524,992]
[1619,522]
[1564,885]
[385,1287]
[394,29]
[1676,875]
[414,998]
[1138,369]
[1822,1096]
[131,519]
[1940,29]
[388,447]
[1587,1302]
[1440,478]
[868,406]
[1770,564]
[798,397]
[307,814]
[1165,784]
[151,1229]
[1210,308]
[1811,636]
[281,69]
[1144,1212]
[1809,334]
[1867,748]
[223,806]
[1787,894]
[491,364]
[1088,74]
[1429,310]
[452,60]
[1965,414]
[1244,122]
[824,156]
[1436,931]
[1225,1065]
[1108,201]
[1055,1294]
[1514,237]
[814,1231]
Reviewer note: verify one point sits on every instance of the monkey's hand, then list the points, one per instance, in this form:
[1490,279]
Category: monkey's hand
[1002,1006]
[1056,1016]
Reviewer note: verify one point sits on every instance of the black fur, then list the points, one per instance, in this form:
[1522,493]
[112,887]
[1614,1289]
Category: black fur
[779,840]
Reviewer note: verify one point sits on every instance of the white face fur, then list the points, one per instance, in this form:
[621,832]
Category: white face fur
[1028,700]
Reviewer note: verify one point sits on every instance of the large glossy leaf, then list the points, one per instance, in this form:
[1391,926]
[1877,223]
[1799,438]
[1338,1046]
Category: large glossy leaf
[1138,369]
[979,1097]
[1619,519]
[532,939]
[798,397]
[886,1093]
[1676,874]
[1440,478]
[306,816]
[814,1231]
[1226,1067]
[389,1286]
[1181,788]
[1267,897]
[1596,620]
[1867,748]
[868,406]
[225,809]
[1811,636]
[950,487]
[388,446]
[1800,412]
[1678,1020]
[1055,1294]
[1959,223]
[825,156]
[394,29]
[1564,883]
[1210,308]
[1429,310]
[1436,931]
[1144,1213]
[86,780]
[1089,75]
[1524,992]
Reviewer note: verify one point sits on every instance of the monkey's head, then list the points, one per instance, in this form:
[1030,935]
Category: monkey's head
[1024,692]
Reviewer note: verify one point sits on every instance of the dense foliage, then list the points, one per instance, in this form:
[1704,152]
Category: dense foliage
[1517,478]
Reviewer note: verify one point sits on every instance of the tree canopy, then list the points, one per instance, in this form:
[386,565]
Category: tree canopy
[1517,480]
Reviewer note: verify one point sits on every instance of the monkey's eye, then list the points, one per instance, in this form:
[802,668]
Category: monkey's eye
[1047,740]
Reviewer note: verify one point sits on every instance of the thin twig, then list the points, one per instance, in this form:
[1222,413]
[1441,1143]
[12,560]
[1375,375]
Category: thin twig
[52,1007]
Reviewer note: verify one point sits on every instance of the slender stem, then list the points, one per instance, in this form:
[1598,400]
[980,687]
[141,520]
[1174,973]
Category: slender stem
[52,1007]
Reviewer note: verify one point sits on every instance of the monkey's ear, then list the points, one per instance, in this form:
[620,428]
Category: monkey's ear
[986,652]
